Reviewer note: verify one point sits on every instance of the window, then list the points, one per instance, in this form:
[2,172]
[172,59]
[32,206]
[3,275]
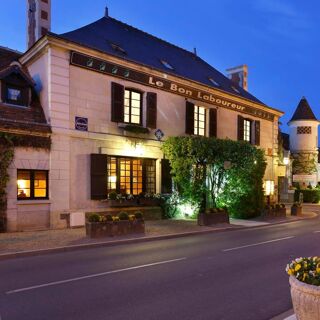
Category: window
[167,64]
[132,106]
[304,130]
[214,82]
[32,184]
[117,48]
[199,121]
[131,175]
[247,130]
[15,95]
[44,15]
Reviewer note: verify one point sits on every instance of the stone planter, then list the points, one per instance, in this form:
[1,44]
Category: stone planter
[110,229]
[305,300]
[296,211]
[281,212]
[122,203]
[207,219]
[99,229]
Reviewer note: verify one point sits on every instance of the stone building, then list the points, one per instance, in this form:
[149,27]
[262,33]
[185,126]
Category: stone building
[111,94]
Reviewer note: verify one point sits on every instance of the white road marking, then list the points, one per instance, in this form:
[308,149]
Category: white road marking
[54,283]
[257,244]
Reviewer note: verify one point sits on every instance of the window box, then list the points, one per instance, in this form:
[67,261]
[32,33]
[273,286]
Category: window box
[132,128]
[211,216]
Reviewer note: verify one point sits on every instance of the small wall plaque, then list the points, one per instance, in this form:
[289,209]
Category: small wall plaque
[81,124]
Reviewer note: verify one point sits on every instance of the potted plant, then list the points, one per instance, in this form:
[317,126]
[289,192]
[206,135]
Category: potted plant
[296,209]
[305,287]
[137,223]
[123,223]
[280,210]
[93,226]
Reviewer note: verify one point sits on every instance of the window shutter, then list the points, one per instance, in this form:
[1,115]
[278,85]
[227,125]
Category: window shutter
[117,103]
[212,122]
[98,176]
[257,133]
[166,178]
[3,91]
[189,118]
[151,110]
[240,128]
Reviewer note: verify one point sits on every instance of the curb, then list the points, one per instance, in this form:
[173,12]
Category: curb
[288,315]
[22,254]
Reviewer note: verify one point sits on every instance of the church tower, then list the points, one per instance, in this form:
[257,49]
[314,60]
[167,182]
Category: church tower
[303,132]
[38,20]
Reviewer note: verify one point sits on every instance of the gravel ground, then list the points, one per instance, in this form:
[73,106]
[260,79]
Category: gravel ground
[33,240]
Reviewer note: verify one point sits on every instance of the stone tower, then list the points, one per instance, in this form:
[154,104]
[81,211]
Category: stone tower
[38,20]
[303,132]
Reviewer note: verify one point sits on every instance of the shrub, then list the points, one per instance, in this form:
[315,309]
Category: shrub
[138,215]
[123,216]
[113,195]
[109,218]
[278,206]
[309,196]
[306,270]
[94,217]
[283,205]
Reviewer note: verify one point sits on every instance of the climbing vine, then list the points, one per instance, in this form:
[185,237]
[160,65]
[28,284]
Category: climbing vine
[8,142]
[304,163]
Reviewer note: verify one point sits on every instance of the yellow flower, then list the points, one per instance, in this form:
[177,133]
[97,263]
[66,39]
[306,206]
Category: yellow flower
[297,267]
[304,276]
[290,272]
[318,270]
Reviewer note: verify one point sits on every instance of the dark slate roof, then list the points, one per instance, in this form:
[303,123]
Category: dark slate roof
[303,111]
[143,48]
[7,56]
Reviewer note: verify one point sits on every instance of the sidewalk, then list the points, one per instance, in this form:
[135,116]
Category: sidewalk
[31,242]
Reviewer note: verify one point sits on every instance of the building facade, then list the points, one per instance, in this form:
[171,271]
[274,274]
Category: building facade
[111,94]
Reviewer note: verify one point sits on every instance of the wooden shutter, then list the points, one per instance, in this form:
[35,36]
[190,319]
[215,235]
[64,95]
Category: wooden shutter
[166,178]
[240,128]
[151,110]
[117,103]
[98,176]
[257,133]
[189,118]
[212,122]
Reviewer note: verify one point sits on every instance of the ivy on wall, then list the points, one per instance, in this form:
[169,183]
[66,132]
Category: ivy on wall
[8,142]
[223,172]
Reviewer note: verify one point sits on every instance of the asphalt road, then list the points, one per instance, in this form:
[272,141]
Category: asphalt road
[228,275]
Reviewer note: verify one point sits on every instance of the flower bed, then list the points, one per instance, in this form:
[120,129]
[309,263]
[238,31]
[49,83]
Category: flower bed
[305,287]
[99,225]
[213,216]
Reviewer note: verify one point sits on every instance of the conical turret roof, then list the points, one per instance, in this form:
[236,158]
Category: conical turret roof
[303,111]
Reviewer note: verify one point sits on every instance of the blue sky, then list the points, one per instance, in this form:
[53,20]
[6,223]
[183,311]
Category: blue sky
[278,39]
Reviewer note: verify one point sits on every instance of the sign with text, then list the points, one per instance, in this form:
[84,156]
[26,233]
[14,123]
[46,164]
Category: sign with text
[102,66]
[304,177]
[81,124]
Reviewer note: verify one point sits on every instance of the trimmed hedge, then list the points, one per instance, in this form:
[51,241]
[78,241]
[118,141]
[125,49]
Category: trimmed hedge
[309,195]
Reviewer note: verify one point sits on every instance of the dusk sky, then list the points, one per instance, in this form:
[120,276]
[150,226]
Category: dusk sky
[277,39]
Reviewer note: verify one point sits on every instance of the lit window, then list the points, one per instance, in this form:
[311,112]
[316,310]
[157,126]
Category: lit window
[247,130]
[117,48]
[32,184]
[132,106]
[167,64]
[269,187]
[214,82]
[199,121]
[131,175]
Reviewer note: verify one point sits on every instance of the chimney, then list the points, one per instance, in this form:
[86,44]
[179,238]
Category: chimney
[106,12]
[239,76]
[38,20]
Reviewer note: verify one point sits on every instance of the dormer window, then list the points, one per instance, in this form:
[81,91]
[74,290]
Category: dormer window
[215,83]
[167,64]
[15,95]
[117,48]
[235,89]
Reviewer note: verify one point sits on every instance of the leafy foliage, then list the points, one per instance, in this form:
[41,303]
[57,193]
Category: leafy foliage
[309,195]
[217,173]
[304,163]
